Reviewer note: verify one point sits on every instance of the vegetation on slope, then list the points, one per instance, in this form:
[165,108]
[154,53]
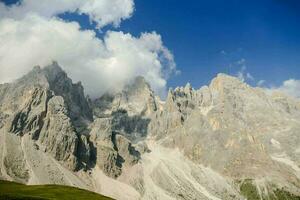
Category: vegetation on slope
[16,191]
[249,191]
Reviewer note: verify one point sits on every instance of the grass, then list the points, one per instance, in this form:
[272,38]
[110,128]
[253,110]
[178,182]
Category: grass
[284,195]
[249,190]
[16,191]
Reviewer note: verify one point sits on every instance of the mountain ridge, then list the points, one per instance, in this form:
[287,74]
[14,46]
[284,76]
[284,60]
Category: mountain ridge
[50,132]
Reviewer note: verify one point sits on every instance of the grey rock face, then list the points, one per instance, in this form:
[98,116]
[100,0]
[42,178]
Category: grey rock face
[105,152]
[58,136]
[29,119]
[14,161]
[73,95]
[113,151]
[46,105]
[232,127]
[121,119]
[136,98]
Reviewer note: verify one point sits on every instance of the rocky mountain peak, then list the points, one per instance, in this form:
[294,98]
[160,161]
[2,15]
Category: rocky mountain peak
[222,84]
[48,77]
[138,83]
[53,72]
[223,81]
[188,87]
[33,78]
[50,80]
[73,94]
[137,98]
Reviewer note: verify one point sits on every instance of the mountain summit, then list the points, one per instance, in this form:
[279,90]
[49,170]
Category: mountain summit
[227,140]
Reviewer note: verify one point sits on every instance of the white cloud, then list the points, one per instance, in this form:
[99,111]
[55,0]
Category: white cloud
[103,12]
[101,64]
[242,74]
[241,62]
[290,87]
[260,83]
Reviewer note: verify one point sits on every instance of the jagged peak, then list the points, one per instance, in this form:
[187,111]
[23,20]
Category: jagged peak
[138,82]
[36,68]
[137,85]
[226,77]
[33,77]
[54,67]
[225,81]
[188,86]
[186,89]
[43,75]
[53,71]
[140,79]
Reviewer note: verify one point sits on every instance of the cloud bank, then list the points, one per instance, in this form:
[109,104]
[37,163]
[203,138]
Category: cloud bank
[31,34]
[290,87]
[103,12]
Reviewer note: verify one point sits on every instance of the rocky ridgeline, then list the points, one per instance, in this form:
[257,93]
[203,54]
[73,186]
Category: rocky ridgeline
[46,105]
[51,133]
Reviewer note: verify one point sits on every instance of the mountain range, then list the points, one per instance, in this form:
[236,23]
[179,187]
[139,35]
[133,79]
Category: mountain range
[227,140]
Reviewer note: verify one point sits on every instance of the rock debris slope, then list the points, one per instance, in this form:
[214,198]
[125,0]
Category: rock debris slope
[224,141]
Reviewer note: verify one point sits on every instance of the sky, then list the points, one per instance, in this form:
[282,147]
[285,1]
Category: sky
[206,37]
[169,42]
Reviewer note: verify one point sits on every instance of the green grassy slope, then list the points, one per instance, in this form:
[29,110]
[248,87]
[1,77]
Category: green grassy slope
[16,191]
[249,190]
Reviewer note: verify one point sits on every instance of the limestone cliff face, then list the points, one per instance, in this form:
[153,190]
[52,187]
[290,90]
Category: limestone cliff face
[240,131]
[46,105]
[198,144]
[54,112]
[129,110]
[113,151]
[121,119]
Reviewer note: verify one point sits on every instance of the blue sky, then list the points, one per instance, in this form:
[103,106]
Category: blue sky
[209,37]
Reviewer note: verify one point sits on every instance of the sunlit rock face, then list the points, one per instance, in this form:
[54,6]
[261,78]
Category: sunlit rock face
[237,130]
[217,142]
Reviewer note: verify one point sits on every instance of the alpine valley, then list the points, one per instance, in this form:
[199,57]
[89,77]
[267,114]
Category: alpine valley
[224,141]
